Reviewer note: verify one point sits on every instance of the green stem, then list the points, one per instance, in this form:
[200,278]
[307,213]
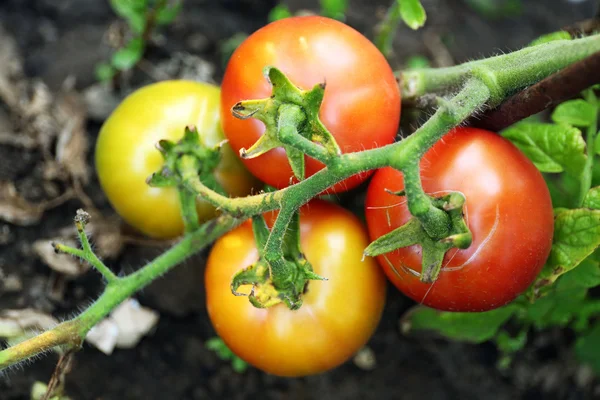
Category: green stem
[503,74]
[586,176]
[290,117]
[388,28]
[86,252]
[280,270]
[72,333]
[189,213]
[435,221]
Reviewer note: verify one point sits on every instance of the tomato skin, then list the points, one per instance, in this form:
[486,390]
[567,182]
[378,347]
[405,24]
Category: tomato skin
[361,107]
[126,154]
[508,209]
[337,316]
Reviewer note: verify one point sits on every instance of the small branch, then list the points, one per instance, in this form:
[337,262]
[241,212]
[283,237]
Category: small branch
[549,92]
[86,253]
[72,333]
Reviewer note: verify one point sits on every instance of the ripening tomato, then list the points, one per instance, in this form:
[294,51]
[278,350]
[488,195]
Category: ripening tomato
[508,210]
[126,154]
[361,107]
[337,316]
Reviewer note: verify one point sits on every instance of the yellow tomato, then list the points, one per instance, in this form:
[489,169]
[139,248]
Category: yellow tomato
[337,316]
[126,154]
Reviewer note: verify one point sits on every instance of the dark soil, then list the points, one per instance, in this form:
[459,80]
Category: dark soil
[61,38]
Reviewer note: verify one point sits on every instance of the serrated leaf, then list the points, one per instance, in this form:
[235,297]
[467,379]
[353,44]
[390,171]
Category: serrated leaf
[551,37]
[334,8]
[471,327]
[167,14]
[576,236]
[586,348]
[128,56]
[576,112]
[412,13]
[592,198]
[278,12]
[552,148]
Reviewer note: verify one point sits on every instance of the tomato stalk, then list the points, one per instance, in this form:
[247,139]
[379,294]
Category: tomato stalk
[72,333]
[503,74]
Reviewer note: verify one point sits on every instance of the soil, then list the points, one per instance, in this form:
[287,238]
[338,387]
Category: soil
[68,38]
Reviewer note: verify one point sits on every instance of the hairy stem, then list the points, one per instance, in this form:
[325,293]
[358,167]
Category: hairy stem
[72,333]
[508,72]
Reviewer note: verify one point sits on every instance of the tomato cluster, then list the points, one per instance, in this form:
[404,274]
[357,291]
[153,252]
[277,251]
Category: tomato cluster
[508,208]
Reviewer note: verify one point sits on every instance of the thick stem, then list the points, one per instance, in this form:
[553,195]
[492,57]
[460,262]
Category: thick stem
[435,221]
[189,212]
[504,74]
[63,334]
[280,270]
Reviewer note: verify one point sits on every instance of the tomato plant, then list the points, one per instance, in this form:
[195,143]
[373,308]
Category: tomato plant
[508,210]
[337,316]
[361,107]
[126,154]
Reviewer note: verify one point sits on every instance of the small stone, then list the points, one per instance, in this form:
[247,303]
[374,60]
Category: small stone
[365,359]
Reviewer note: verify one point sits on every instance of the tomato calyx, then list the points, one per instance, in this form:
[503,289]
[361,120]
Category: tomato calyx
[433,249]
[274,279]
[188,156]
[291,118]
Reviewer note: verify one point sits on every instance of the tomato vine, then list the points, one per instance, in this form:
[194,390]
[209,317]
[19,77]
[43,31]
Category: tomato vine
[458,92]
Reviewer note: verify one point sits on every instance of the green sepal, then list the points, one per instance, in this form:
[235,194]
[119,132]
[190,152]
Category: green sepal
[291,119]
[413,233]
[268,290]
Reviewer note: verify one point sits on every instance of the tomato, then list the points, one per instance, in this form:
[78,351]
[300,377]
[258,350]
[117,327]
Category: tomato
[126,153]
[508,210]
[337,316]
[361,107]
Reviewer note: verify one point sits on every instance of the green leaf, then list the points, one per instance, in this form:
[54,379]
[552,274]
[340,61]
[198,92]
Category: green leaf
[494,9]
[586,275]
[133,11]
[105,72]
[334,8]
[471,327]
[417,62]
[167,14]
[576,112]
[239,366]
[586,348]
[278,12]
[576,236]
[217,345]
[412,13]
[592,198]
[129,55]
[552,148]
[551,37]
[557,308]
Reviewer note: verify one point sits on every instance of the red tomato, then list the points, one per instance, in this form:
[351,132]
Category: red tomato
[361,107]
[337,316]
[508,210]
